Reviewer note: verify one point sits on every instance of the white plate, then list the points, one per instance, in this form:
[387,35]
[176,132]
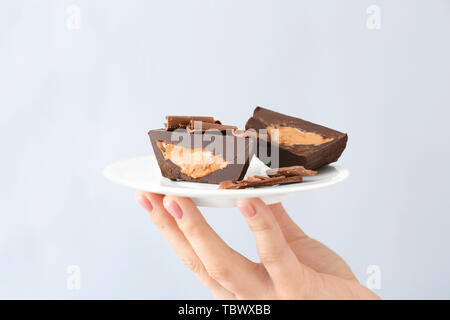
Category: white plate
[143,173]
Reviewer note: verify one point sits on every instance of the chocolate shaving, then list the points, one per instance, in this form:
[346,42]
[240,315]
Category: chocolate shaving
[255,178]
[181,122]
[228,184]
[280,176]
[290,171]
[293,179]
[259,181]
[202,126]
[266,182]
[244,133]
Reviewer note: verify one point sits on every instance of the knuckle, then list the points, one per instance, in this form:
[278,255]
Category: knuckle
[219,273]
[262,226]
[307,284]
[158,219]
[192,264]
[160,224]
[269,256]
[191,230]
[302,238]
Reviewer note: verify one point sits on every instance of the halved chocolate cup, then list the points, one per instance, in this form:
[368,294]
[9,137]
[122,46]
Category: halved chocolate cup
[208,157]
[297,142]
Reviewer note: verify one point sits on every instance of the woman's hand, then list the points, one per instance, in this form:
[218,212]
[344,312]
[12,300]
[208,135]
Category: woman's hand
[293,266]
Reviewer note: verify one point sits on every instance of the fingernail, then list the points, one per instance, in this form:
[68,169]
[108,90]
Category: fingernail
[247,210]
[173,208]
[145,203]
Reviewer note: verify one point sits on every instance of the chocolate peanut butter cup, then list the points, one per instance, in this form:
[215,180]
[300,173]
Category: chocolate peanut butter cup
[295,141]
[206,151]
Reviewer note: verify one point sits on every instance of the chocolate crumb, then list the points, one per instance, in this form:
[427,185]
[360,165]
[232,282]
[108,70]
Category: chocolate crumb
[202,126]
[181,122]
[290,171]
[259,181]
[278,176]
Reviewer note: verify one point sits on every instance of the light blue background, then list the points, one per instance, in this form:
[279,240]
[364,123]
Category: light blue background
[73,101]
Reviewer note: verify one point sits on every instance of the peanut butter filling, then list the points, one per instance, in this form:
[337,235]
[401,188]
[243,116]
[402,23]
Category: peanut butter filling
[194,162]
[293,136]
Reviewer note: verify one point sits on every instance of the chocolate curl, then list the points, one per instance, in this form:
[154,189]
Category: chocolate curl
[228,184]
[201,126]
[265,182]
[255,178]
[290,171]
[293,179]
[244,133]
[259,181]
[181,122]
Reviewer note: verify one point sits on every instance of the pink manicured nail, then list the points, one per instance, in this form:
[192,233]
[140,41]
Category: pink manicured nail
[247,210]
[173,208]
[145,203]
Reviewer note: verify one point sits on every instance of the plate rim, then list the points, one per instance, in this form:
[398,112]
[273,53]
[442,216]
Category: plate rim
[341,175]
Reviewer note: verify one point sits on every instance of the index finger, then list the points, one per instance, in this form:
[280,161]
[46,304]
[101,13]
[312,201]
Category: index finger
[232,270]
